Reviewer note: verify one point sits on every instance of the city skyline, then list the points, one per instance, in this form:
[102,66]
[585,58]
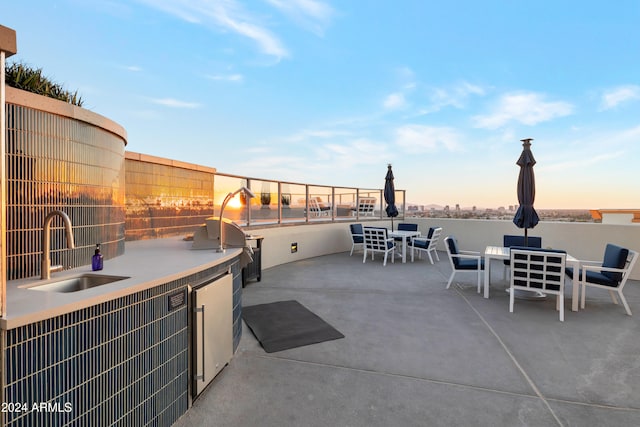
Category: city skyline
[328,93]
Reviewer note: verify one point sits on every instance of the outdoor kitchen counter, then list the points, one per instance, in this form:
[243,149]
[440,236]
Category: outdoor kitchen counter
[147,263]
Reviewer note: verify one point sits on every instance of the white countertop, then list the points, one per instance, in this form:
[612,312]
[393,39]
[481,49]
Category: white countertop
[147,263]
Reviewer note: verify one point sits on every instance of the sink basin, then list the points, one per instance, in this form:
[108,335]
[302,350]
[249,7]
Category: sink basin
[78,283]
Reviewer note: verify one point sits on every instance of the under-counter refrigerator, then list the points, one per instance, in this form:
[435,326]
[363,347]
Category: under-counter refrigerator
[212,339]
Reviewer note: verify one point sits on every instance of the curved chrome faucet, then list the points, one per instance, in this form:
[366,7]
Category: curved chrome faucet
[45,265]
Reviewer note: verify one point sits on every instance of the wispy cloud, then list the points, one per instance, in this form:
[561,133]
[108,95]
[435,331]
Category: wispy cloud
[616,96]
[132,68]
[313,15]
[456,96]
[394,101]
[355,152]
[420,138]
[593,151]
[226,77]
[310,134]
[175,103]
[527,108]
[584,161]
[227,15]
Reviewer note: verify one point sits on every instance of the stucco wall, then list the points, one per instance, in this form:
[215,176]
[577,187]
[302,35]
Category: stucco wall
[583,240]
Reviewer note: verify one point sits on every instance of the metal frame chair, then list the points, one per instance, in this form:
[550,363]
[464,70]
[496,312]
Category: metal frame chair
[365,206]
[357,236]
[538,270]
[604,276]
[426,244]
[468,261]
[376,240]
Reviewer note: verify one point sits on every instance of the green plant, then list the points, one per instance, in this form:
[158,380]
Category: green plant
[265,198]
[22,76]
[285,199]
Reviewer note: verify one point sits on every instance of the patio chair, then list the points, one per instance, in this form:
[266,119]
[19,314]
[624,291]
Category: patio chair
[364,207]
[318,208]
[538,270]
[426,244]
[509,240]
[405,226]
[357,236]
[462,261]
[610,274]
[376,240]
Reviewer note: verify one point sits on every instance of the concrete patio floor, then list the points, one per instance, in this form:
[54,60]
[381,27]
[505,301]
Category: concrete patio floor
[417,354]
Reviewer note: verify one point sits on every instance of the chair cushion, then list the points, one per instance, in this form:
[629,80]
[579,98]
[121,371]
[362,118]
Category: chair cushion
[614,257]
[593,277]
[453,250]
[407,227]
[511,240]
[469,264]
[430,233]
[532,241]
[420,243]
[356,229]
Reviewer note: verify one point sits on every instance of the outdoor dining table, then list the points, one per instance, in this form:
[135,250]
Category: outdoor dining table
[503,253]
[404,235]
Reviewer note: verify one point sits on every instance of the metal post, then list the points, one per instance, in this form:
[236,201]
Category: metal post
[3,189]
[8,47]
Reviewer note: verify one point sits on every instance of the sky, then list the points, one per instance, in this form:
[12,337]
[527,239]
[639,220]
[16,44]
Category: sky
[329,93]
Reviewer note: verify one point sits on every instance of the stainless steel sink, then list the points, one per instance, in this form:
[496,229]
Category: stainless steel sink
[78,283]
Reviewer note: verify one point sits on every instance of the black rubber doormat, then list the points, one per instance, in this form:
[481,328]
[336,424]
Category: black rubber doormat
[287,324]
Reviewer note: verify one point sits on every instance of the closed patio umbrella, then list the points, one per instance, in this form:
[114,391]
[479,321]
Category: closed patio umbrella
[390,195]
[526,216]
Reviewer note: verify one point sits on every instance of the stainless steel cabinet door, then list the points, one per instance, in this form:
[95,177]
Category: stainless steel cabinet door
[212,333]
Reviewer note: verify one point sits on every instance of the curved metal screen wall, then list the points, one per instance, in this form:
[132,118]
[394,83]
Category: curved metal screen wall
[165,197]
[56,162]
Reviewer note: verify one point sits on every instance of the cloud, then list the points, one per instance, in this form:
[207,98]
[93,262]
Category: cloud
[226,15]
[226,77]
[592,150]
[527,108]
[420,138]
[355,152]
[456,96]
[310,14]
[174,103]
[132,68]
[308,134]
[394,101]
[619,95]
[584,161]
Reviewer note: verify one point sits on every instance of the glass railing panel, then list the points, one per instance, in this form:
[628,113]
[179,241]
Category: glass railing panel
[236,208]
[345,202]
[293,202]
[281,202]
[264,207]
[370,203]
[320,203]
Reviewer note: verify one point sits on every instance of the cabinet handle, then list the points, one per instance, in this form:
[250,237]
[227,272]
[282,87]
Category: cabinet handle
[201,310]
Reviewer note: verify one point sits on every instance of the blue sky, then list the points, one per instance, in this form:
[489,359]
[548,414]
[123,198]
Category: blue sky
[330,92]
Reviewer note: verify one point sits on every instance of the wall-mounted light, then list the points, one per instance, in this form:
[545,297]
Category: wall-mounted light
[249,194]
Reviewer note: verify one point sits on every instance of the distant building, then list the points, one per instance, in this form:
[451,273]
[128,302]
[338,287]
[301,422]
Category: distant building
[616,216]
